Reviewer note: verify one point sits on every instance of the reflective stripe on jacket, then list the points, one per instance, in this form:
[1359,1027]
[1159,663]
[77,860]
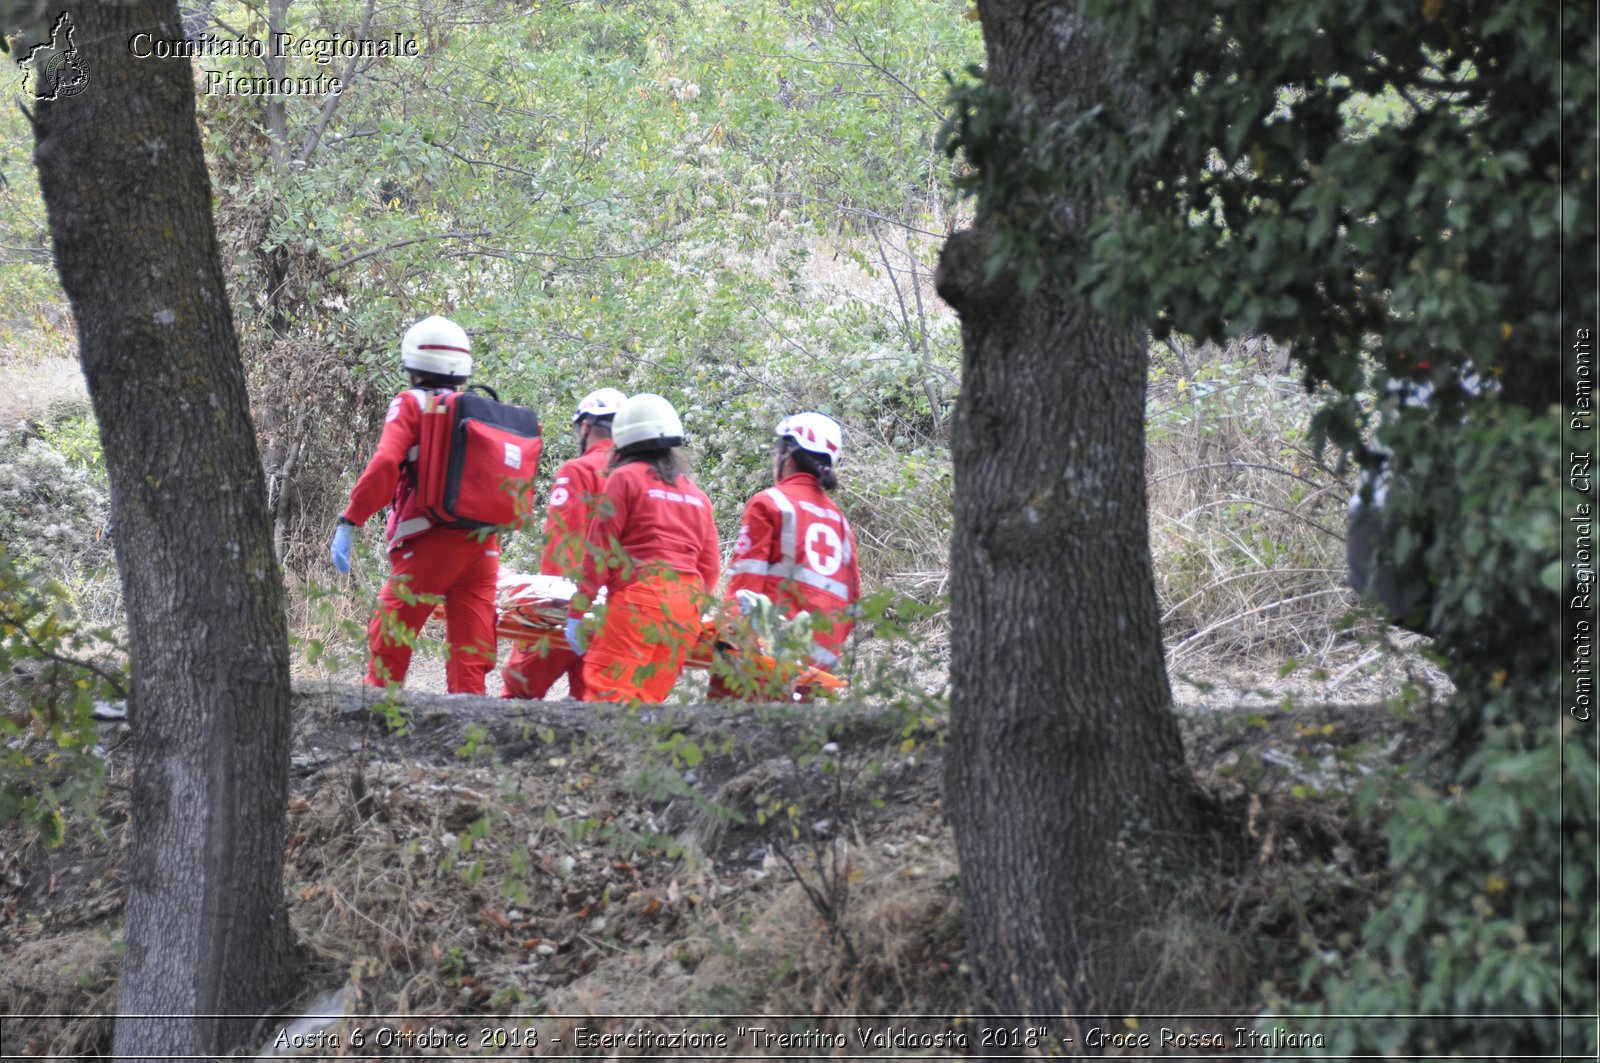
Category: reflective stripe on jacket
[797,548]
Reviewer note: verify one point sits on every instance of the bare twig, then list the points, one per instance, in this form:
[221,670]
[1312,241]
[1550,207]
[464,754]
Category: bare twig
[1263,505]
[25,254]
[1252,574]
[470,161]
[1183,647]
[1235,465]
[70,662]
[892,76]
[862,212]
[397,244]
[935,402]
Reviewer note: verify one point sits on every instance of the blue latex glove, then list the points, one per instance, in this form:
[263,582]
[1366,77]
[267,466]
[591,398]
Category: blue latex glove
[342,538]
[572,635]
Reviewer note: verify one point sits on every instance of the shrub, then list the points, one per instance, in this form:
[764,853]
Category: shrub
[49,763]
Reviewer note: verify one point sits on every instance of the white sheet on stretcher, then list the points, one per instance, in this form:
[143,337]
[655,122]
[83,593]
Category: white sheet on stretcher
[518,588]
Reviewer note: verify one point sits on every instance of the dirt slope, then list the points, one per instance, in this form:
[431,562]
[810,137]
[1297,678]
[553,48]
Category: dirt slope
[577,865]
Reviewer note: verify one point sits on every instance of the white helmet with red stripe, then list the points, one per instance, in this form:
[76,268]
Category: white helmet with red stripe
[815,432]
[439,346]
[597,404]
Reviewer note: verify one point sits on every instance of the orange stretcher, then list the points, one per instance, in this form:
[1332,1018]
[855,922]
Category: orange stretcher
[529,608]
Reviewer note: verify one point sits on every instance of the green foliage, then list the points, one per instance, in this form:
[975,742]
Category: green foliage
[34,308]
[899,625]
[49,763]
[1479,507]
[1493,914]
[77,439]
[675,199]
[737,206]
[1320,173]
[1365,180]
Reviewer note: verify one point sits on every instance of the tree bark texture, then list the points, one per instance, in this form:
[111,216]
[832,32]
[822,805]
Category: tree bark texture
[129,202]
[1066,768]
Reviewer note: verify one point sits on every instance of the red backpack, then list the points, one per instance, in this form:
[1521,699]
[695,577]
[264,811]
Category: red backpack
[476,460]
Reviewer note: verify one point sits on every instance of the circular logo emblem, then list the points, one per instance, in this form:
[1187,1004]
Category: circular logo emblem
[824,552]
[558,498]
[66,74]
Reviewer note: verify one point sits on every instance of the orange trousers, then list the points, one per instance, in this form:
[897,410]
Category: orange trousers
[457,566]
[649,629]
[750,680]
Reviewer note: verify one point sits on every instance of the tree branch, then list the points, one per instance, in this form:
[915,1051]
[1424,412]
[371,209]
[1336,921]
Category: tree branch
[357,135]
[330,102]
[70,662]
[935,400]
[1256,502]
[25,254]
[892,76]
[397,244]
[448,150]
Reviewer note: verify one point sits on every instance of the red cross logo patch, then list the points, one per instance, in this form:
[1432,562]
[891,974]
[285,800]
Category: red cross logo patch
[824,551]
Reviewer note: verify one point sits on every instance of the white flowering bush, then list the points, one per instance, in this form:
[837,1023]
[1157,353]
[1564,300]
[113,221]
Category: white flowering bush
[54,511]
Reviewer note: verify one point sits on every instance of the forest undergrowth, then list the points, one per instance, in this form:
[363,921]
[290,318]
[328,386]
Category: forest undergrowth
[490,864]
[742,210]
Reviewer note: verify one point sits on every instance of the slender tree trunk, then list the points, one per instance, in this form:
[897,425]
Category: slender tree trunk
[276,114]
[1066,767]
[129,202]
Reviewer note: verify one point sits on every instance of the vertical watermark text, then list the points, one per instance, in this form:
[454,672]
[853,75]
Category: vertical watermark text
[1579,526]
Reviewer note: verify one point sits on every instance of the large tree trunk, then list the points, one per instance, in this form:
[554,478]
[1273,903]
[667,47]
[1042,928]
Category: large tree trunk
[129,203]
[1066,759]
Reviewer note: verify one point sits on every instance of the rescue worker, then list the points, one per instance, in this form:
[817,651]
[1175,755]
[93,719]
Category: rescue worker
[425,563]
[534,668]
[796,548]
[652,543]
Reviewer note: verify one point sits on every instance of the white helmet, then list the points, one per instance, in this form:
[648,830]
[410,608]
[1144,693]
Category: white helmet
[597,404]
[647,419]
[439,346]
[816,432]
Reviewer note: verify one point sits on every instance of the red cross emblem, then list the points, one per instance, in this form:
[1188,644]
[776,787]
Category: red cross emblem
[824,551]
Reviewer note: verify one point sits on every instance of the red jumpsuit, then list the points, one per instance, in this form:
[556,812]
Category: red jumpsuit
[796,548]
[534,668]
[426,563]
[653,546]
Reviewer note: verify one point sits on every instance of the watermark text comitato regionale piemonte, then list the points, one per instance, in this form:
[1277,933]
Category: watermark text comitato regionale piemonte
[319,50]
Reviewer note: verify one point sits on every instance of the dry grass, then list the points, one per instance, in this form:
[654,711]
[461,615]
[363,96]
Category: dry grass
[442,890]
[562,895]
[73,974]
[768,953]
[1247,527]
